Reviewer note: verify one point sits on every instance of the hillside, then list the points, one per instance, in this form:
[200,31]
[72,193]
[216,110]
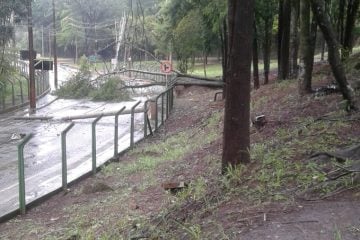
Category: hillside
[282,194]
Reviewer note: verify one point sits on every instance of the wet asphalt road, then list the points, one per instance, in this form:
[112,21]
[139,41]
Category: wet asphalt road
[43,152]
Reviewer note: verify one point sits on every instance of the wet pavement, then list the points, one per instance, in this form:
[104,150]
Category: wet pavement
[43,152]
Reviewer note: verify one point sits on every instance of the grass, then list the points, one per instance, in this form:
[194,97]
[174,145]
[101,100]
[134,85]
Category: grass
[279,170]
[215,70]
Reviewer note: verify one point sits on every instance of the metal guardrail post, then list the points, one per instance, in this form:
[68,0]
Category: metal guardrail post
[116,132]
[171,98]
[3,98]
[12,92]
[156,112]
[93,133]
[132,124]
[145,118]
[162,108]
[167,104]
[216,94]
[21,168]
[63,155]
[21,91]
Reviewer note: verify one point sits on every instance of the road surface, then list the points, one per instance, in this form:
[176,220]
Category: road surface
[43,152]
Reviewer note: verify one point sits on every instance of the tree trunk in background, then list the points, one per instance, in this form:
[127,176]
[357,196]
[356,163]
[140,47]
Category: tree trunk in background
[323,47]
[255,59]
[224,45]
[340,23]
[307,47]
[324,23]
[205,62]
[268,24]
[236,145]
[352,11]
[280,34]
[285,40]
[295,5]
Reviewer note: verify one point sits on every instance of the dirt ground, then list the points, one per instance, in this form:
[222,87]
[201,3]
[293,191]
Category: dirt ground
[128,201]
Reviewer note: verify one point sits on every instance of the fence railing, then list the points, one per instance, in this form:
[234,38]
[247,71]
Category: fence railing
[162,109]
[166,79]
[14,91]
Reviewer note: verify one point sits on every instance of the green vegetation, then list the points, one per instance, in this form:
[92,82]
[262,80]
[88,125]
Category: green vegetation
[80,86]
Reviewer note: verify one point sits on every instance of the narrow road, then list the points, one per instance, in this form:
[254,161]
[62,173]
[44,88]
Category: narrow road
[43,152]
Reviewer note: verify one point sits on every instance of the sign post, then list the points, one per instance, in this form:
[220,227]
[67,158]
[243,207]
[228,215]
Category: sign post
[166,67]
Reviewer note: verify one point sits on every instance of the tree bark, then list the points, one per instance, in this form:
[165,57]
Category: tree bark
[295,37]
[337,66]
[340,23]
[280,34]
[224,45]
[307,47]
[236,144]
[255,59]
[268,23]
[285,41]
[352,11]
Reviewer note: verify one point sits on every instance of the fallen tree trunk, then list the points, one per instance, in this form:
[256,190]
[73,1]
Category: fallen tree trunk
[78,117]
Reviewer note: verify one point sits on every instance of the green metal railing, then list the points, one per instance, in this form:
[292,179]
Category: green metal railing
[93,134]
[147,125]
[116,131]
[21,168]
[132,124]
[64,156]
[12,92]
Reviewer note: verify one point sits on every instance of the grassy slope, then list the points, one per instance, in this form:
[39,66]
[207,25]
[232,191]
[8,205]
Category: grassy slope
[188,148]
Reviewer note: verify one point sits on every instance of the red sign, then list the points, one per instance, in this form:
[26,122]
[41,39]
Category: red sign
[166,67]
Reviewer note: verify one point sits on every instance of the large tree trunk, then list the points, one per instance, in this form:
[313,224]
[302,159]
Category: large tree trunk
[280,35]
[294,37]
[255,59]
[285,41]
[318,9]
[307,47]
[340,23]
[268,23]
[224,52]
[236,144]
[352,11]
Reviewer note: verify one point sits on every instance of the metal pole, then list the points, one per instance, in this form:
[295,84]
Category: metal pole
[156,112]
[93,127]
[145,118]
[132,124]
[162,108]
[63,155]
[21,168]
[31,60]
[54,47]
[167,103]
[42,41]
[116,134]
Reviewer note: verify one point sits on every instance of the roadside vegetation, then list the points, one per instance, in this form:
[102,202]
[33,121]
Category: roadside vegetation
[126,199]
[81,86]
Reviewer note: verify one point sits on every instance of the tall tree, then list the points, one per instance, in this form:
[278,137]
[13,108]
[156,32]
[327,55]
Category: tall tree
[255,59]
[295,5]
[352,12]
[285,39]
[318,9]
[236,145]
[307,46]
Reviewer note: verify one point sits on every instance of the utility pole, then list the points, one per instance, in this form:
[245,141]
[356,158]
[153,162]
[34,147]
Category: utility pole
[49,42]
[42,41]
[54,47]
[32,92]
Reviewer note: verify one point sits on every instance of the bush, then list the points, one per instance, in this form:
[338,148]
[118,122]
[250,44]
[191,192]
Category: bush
[109,91]
[80,86]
